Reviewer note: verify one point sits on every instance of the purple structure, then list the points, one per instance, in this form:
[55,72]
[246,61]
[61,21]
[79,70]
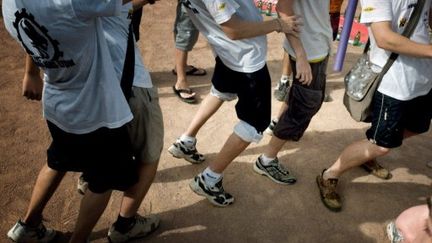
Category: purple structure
[344,37]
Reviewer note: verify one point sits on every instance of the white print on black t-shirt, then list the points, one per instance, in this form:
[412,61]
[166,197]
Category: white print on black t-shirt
[36,41]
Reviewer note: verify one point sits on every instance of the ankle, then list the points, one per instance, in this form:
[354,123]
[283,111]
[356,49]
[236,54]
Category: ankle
[211,177]
[188,140]
[31,222]
[124,224]
[329,174]
[266,160]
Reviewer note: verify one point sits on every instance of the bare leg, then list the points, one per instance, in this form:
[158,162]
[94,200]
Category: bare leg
[181,62]
[231,149]
[208,107]
[286,66]
[133,197]
[282,109]
[45,186]
[92,207]
[273,147]
[355,155]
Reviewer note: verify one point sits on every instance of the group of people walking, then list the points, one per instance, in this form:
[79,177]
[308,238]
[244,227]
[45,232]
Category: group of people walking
[105,121]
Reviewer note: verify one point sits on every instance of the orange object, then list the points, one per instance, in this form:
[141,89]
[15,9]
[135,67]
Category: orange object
[335,6]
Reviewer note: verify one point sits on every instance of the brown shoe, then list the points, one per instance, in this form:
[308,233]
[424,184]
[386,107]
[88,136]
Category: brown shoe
[376,169]
[328,193]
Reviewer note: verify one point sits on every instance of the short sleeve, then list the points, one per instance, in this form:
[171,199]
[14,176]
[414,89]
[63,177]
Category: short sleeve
[376,11]
[96,8]
[221,10]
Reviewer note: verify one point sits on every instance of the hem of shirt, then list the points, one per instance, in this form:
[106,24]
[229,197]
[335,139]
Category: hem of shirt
[249,69]
[143,85]
[313,59]
[375,19]
[90,129]
[404,98]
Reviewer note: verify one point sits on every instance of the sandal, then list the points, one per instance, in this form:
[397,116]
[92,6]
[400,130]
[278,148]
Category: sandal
[192,71]
[178,92]
[376,169]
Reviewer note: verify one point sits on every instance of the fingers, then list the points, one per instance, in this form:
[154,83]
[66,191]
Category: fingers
[304,74]
[291,24]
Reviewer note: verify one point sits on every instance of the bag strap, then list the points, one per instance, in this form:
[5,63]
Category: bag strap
[409,29]
[128,73]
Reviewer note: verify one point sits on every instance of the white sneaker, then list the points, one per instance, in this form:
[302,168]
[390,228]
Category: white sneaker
[25,234]
[180,150]
[216,195]
[143,226]
[82,185]
[271,127]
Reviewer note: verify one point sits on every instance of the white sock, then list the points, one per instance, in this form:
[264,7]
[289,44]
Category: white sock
[284,78]
[266,160]
[188,140]
[211,177]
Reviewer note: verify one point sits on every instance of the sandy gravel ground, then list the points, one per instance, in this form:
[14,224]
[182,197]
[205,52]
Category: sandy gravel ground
[263,211]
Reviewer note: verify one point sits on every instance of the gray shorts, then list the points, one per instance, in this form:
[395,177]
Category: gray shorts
[146,129]
[185,32]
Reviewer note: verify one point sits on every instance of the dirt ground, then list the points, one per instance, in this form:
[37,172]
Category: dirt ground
[263,211]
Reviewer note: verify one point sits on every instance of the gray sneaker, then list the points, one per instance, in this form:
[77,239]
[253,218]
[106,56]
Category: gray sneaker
[180,150]
[143,226]
[25,234]
[281,90]
[275,171]
[393,233]
[216,195]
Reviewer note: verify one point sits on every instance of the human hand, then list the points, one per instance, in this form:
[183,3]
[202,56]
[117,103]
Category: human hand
[304,71]
[32,86]
[290,24]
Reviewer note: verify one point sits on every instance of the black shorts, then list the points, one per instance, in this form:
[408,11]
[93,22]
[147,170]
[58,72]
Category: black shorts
[252,89]
[391,117]
[303,103]
[104,156]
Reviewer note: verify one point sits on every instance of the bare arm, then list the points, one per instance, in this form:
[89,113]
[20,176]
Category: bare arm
[304,71]
[389,40]
[237,29]
[32,83]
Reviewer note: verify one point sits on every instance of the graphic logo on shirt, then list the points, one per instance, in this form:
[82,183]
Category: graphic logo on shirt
[221,7]
[368,9]
[37,42]
[188,5]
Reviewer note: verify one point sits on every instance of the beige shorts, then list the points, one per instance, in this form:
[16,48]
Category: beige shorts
[146,129]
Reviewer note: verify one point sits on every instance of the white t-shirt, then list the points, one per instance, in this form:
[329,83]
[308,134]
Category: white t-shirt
[408,77]
[116,31]
[316,33]
[65,38]
[246,55]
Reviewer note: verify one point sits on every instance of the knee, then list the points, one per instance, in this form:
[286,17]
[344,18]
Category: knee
[247,132]
[381,150]
[221,95]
